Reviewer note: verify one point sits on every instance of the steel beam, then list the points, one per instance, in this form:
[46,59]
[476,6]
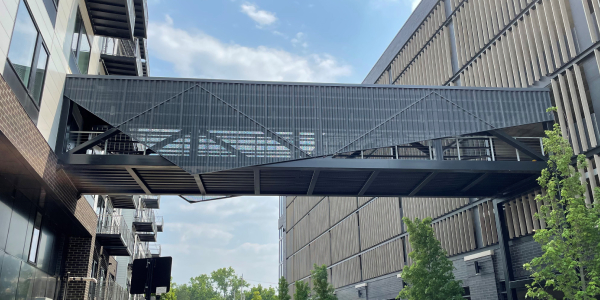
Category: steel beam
[139,180]
[95,141]
[200,184]
[313,182]
[501,135]
[475,182]
[367,184]
[503,242]
[257,182]
[423,183]
[458,166]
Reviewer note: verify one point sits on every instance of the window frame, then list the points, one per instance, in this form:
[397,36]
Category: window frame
[75,53]
[39,45]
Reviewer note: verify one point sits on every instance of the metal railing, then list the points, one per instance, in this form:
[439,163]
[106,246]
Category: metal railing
[159,221]
[150,199]
[120,47]
[110,223]
[119,144]
[109,290]
[146,215]
[473,148]
[155,249]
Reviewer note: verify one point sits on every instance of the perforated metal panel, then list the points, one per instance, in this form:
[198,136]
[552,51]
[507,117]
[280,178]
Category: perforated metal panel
[213,125]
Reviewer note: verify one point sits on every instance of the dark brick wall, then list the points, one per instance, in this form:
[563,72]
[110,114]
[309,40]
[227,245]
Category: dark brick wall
[349,293]
[482,286]
[384,288]
[523,250]
[79,263]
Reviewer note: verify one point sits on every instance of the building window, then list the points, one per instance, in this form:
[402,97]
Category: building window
[28,55]
[80,46]
[35,239]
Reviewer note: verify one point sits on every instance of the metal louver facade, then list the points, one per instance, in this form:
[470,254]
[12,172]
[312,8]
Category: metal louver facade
[214,125]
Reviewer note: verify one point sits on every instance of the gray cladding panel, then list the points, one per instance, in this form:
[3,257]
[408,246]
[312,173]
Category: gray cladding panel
[222,125]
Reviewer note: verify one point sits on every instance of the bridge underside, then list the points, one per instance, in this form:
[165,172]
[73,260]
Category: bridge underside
[130,174]
[127,136]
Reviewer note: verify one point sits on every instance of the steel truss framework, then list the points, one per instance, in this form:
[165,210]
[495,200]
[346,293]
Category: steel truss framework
[217,137]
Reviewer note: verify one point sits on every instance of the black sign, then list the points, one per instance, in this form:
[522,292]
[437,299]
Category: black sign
[152,272]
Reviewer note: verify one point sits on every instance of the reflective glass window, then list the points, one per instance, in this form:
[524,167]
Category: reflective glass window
[19,227]
[35,238]
[26,277]
[5,212]
[27,54]
[40,75]
[23,43]
[9,277]
[80,45]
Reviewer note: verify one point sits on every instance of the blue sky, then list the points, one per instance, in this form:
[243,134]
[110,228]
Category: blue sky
[285,40]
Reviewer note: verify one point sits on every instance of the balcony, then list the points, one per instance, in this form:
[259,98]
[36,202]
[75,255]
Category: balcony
[121,57]
[155,249]
[144,224]
[113,234]
[159,223]
[123,202]
[113,18]
[151,201]
[141,18]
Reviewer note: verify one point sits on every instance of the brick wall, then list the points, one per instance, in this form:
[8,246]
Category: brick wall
[79,263]
[22,133]
[18,128]
[523,250]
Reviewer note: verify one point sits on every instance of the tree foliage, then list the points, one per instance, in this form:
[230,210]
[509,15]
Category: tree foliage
[571,240]
[171,295]
[323,289]
[283,290]
[268,293]
[430,276]
[256,295]
[302,290]
[222,284]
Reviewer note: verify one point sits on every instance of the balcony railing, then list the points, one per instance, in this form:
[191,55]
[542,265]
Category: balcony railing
[122,56]
[117,145]
[113,233]
[473,148]
[120,47]
[151,201]
[144,223]
[108,290]
[155,249]
[159,223]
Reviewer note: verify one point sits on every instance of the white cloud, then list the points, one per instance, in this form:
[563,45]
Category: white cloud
[197,54]
[261,17]
[239,232]
[300,40]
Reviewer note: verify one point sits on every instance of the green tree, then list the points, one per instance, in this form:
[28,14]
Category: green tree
[199,288]
[302,290]
[323,289]
[283,290]
[265,293]
[430,276]
[222,277]
[228,283]
[256,295]
[570,243]
[172,294]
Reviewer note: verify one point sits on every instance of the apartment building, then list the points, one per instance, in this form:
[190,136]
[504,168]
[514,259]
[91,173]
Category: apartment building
[48,230]
[496,43]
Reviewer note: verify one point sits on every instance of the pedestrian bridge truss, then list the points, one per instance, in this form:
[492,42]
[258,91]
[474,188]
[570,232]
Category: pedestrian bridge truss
[219,137]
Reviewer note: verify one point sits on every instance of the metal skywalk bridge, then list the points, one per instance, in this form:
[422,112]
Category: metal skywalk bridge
[132,135]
